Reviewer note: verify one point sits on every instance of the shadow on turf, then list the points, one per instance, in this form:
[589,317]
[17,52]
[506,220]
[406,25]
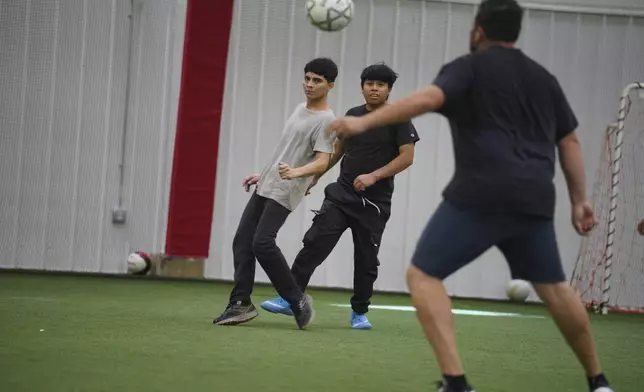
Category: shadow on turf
[288,325]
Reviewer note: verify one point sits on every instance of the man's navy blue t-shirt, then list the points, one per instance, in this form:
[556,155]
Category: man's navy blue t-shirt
[507,113]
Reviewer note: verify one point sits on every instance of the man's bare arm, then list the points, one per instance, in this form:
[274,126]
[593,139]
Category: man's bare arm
[572,164]
[429,99]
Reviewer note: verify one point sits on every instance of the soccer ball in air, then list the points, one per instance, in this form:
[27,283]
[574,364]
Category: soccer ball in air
[138,263]
[518,290]
[329,15]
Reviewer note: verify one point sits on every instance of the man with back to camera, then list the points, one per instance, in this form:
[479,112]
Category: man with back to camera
[360,199]
[508,115]
[303,152]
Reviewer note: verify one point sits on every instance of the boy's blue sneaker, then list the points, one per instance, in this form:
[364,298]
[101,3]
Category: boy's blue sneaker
[277,305]
[360,321]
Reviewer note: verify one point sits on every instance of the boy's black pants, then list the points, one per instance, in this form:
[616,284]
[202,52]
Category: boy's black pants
[343,209]
[255,240]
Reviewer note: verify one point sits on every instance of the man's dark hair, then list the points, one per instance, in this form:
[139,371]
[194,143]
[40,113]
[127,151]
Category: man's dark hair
[324,67]
[500,20]
[379,72]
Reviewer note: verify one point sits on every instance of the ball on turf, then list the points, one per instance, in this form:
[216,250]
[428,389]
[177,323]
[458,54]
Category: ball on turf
[329,15]
[518,290]
[138,263]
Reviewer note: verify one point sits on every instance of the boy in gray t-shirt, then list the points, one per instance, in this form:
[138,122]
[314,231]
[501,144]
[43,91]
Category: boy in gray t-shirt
[304,136]
[303,152]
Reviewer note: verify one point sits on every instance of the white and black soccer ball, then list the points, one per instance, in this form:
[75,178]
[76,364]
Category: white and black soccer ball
[138,263]
[518,290]
[329,15]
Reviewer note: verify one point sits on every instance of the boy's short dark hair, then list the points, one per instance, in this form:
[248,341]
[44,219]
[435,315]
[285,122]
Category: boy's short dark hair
[379,72]
[323,66]
[500,20]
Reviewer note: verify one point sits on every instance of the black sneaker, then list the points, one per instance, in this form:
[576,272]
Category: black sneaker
[304,312]
[442,387]
[236,313]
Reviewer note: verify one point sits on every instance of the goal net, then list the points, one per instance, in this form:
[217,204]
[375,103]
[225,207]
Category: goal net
[609,274]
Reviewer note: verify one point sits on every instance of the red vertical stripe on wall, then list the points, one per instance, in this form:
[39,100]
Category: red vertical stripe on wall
[192,190]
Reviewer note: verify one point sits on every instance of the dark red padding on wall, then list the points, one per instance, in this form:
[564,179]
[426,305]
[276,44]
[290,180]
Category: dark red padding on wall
[194,168]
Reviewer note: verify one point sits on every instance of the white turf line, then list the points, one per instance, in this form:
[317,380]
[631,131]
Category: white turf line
[455,311]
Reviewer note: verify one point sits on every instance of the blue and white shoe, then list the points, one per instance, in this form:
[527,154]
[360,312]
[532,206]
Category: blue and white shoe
[277,305]
[360,321]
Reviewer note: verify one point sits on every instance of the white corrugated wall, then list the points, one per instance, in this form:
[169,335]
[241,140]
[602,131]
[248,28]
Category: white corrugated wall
[63,78]
[594,56]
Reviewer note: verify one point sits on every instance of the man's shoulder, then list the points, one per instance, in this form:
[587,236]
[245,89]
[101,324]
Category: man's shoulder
[514,56]
[538,68]
[460,61]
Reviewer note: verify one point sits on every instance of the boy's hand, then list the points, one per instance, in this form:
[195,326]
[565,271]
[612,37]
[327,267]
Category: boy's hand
[364,181]
[287,172]
[249,181]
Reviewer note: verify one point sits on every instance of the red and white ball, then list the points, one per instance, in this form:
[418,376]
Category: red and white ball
[138,263]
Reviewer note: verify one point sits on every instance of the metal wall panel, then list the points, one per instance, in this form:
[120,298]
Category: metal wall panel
[64,75]
[613,4]
[594,57]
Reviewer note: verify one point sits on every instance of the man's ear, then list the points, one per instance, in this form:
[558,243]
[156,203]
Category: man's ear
[479,34]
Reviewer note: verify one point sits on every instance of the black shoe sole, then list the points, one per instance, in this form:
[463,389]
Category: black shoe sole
[240,319]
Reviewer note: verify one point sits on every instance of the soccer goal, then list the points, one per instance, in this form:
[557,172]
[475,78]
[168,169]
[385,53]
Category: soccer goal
[609,273]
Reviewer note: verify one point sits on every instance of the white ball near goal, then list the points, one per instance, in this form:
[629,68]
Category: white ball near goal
[138,263]
[329,15]
[518,290]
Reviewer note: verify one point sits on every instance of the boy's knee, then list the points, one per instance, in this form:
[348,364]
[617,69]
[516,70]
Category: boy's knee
[310,238]
[263,244]
[242,239]
[318,232]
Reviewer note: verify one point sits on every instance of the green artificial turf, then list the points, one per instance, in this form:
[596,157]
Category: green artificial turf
[107,334]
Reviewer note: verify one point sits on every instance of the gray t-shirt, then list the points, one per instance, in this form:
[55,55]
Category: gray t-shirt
[304,135]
